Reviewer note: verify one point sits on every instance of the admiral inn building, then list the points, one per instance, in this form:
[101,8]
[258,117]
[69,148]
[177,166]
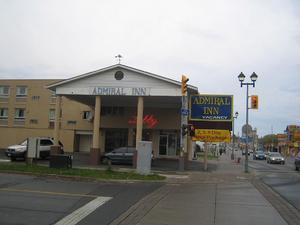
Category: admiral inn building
[96,112]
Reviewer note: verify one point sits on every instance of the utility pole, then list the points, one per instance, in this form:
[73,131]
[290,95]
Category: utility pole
[184,122]
[241,78]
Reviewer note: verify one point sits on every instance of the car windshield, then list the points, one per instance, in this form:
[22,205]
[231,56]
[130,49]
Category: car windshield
[24,142]
[120,150]
[260,152]
[131,150]
[275,154]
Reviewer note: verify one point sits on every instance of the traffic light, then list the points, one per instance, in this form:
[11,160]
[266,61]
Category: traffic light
[254,102]
[191,130]
[185,129]
[184,81]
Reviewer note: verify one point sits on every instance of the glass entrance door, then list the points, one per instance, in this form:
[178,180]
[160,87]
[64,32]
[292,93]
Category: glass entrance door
[168,144]
[163,144]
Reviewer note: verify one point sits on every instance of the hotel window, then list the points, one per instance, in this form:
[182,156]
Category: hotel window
[51,114]
[4,90]
[87,115]
[3,113]
[21,91]
[20,114]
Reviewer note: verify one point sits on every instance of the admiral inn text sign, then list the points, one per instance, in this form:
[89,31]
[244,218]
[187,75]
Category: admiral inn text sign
[130,91]
[211,107]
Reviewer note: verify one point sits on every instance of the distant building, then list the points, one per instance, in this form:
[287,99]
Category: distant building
[252,136]
[293,138]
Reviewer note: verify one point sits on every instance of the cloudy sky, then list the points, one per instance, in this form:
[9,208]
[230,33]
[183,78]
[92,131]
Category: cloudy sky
[211,41]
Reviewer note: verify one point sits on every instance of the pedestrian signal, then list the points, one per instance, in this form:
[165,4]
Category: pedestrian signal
[254,102]
[184,130]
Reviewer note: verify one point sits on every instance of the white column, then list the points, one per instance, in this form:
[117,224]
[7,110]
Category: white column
[139,119]
[96,130]
[57,121]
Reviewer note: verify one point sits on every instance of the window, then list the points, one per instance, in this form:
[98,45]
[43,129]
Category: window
[21,91]
[46,142]
[112,111]
[52,114]
[4,90]
[20,114]
[3,113]
[87,115]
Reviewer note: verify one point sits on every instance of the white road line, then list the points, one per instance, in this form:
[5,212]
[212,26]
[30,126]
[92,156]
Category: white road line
[4,160]
[82,212]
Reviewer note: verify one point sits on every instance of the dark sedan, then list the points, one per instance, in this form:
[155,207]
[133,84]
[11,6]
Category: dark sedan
[259,155]
[122,155]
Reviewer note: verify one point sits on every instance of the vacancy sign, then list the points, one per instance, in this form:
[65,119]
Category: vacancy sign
[208,135]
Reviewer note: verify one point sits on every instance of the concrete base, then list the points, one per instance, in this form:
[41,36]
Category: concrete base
[55,149]
[95,156]
[134,159]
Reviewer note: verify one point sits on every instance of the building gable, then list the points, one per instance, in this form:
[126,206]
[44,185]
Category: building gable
[119,80]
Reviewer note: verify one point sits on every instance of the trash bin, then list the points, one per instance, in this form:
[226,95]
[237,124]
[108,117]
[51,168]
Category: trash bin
[61,161]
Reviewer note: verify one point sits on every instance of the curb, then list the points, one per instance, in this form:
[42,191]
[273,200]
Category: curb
[139,210]
[286,210]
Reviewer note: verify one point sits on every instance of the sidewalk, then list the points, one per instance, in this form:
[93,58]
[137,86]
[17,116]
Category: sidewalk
[225,196]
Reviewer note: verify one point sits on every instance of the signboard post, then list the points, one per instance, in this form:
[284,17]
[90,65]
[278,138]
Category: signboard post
[211,115]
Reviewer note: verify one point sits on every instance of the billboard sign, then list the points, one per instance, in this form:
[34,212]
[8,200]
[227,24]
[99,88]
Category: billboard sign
[208,135]
[211,107]
[296,135]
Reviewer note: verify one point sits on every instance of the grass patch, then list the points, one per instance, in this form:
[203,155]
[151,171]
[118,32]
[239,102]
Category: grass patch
[89,173]
[210,156]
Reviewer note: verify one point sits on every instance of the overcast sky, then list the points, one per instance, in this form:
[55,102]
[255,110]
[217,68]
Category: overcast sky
[210,41]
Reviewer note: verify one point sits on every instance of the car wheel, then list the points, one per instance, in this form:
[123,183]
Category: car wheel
[106,161]
[282,163]
[13,158]
[296,168]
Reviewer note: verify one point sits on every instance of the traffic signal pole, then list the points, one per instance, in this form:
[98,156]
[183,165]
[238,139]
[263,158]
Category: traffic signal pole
[184,123]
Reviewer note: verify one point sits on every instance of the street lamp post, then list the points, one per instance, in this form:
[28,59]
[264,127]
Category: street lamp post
[253,78]
[233,143]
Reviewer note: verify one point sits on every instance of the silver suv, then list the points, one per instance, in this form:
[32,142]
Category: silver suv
[20,150]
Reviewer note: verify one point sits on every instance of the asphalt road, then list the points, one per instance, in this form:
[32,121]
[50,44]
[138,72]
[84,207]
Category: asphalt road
[281,178]
[39,200]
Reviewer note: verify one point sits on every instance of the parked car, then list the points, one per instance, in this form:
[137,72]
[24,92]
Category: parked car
[244,152]
[259,155]
[297,161]
[20,150]
[122,155]
[275,157]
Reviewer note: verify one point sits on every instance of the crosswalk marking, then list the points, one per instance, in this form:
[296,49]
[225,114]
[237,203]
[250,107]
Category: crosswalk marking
[84,211]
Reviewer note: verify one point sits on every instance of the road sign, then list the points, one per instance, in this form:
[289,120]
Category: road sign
[184,112]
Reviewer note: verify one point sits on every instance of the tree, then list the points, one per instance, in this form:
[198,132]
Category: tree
[269,140]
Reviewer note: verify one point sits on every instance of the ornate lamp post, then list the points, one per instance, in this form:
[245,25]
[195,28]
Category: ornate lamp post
[253,78]
[233,143]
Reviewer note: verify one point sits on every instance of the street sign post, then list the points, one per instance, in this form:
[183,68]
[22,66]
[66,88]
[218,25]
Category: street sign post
[184,112]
